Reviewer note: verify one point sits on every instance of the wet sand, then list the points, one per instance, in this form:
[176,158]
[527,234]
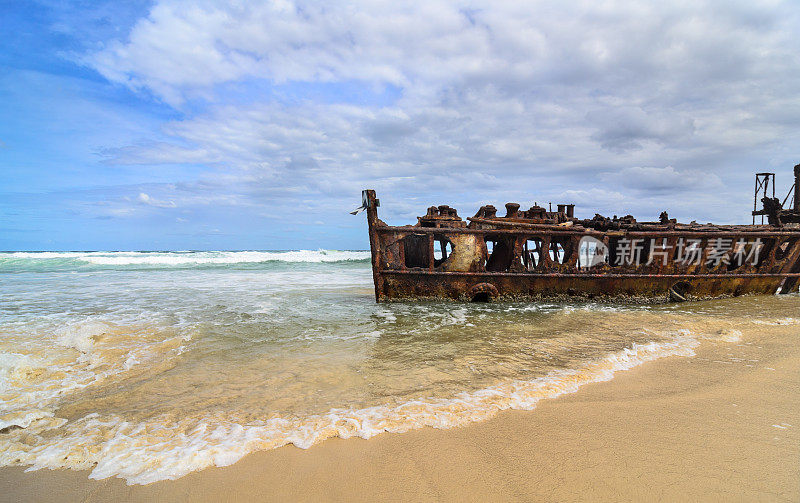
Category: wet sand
[720,426]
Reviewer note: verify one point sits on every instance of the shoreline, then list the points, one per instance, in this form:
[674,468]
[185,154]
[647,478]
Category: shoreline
[719,425]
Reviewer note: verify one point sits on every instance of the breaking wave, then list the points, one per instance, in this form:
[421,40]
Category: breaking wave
[34,260]
[164,448]
[150,365]
[36,374]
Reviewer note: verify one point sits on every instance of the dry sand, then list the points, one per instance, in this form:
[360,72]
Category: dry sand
[722,426]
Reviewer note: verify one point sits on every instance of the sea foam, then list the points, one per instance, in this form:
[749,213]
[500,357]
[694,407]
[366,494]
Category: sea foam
[193,258]
[71,358]
[163,448]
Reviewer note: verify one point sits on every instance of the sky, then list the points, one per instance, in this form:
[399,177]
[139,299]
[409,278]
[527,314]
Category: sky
[227,125]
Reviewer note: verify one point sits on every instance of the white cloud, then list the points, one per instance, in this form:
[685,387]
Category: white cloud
[146,199]
[425,46]
[513,100]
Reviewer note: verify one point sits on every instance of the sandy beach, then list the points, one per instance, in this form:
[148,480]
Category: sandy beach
[719,426]
[358,251]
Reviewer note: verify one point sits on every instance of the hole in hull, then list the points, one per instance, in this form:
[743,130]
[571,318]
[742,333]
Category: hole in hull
[482,292]
[481,297]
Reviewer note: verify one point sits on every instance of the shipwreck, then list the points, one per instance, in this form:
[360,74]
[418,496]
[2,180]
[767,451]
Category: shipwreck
[539,252]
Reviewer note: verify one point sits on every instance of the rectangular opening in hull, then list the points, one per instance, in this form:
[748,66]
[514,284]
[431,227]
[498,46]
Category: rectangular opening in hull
[532,253]
[415,249]
[501,254]
[442,249]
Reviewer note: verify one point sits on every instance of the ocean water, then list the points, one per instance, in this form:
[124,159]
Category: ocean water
[150,365]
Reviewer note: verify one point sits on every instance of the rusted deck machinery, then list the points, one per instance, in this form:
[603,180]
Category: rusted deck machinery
[544,253]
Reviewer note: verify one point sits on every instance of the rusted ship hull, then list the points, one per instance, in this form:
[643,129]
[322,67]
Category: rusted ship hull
[540,254]
[777,270]
[461,286]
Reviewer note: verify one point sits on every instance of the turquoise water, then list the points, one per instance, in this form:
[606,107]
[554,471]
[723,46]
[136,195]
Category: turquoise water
[148,365]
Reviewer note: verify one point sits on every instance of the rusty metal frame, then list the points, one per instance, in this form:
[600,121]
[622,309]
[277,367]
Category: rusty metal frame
[464,272]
